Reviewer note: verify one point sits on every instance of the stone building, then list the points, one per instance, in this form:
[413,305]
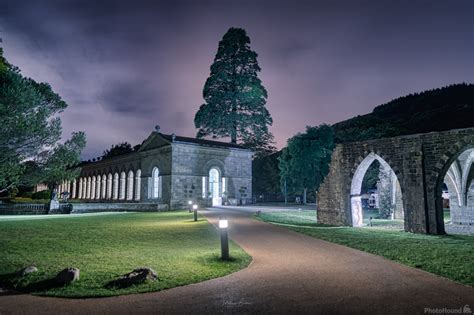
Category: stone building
[166,172]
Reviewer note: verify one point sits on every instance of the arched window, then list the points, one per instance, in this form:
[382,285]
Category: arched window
[103,187]
[130,185]
[155,178]
[79,193]
[97,187]
[123,180]
[138,176]
[93,182]
[88,188]
[214,179]
[74,187]
[109,186]
[115,187]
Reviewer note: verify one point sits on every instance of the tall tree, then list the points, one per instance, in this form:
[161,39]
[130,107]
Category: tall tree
[235,97]
[266,176]
[30,125]
[305,160]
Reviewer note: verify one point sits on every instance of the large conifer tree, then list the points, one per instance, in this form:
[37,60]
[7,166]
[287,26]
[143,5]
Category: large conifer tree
[235,97]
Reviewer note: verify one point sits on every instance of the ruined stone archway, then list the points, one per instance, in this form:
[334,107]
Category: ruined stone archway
[388,186]
[420,163]
[458,178]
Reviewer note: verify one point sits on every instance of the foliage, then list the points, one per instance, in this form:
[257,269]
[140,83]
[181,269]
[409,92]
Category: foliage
[266,177]
[44,194]
[119,149]
[449,256]
[235,97]
[30,126]
[439,109]
[371,177]
[61,162]
[106,246]
[305,161]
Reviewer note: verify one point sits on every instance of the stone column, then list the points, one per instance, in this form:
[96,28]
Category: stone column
[73,193]
[122,186]
[109,186]
[137,184]
[88,188]
[93,182]
[104,187]
[115,187]
[385,192]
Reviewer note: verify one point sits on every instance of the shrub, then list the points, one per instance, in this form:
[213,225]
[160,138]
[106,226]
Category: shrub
[44,194]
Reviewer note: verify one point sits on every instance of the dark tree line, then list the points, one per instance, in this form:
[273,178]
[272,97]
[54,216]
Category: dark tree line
[434,110]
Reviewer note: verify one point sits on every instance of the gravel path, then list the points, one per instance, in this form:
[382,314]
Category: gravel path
[290,273]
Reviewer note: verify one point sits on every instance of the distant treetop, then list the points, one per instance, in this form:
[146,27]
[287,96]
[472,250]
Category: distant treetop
[446,108]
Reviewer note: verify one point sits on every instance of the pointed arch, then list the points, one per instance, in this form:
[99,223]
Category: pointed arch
[130,185]
[356,185]
[138,178]
[116,187]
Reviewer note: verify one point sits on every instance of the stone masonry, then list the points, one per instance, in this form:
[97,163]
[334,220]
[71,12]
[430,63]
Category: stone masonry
[420,163]
[168,170]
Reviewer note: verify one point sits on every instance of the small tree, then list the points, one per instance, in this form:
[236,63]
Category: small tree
[305,161]
[30,125]
[235,97]
[62,162]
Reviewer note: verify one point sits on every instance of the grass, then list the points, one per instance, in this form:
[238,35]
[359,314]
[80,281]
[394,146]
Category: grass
[450,256]
[104,247]
[294,217]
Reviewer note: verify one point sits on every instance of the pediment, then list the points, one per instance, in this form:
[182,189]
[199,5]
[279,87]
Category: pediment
[155,140]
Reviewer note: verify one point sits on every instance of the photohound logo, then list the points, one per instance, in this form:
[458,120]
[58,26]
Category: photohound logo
[462,310]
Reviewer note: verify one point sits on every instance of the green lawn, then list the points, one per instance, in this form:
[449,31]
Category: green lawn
[295,217]
[105,246]
[450,256]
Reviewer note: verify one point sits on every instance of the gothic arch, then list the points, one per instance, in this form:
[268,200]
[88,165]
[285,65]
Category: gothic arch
[357,176]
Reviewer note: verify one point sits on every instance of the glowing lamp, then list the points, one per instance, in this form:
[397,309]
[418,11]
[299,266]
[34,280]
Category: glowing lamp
[223,224]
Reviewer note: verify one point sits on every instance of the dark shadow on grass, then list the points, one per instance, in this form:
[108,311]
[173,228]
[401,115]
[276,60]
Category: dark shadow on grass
[6,284]
[42,286]
[10,285]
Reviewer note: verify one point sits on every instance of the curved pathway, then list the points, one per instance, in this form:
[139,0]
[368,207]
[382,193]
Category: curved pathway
[290,272]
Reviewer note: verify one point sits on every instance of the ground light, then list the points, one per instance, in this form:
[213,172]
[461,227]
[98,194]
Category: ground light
[190,205]
[223,226]
[195,208]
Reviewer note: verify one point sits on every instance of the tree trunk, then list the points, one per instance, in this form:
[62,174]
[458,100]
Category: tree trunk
[286,194]
[304,195]
[316,199]
[233,135]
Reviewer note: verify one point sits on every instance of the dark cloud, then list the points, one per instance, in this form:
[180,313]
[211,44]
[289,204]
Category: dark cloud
[124,66]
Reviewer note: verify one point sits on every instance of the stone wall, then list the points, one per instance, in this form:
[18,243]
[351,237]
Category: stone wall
[192,162]
[182,167]
[103,207]
[420,163]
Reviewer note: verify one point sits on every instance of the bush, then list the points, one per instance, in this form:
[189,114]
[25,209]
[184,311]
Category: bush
[44,194]
[25,194]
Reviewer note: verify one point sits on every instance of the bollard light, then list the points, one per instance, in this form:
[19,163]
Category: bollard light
[190,204]
[223,227]
[195,207]
[223,224]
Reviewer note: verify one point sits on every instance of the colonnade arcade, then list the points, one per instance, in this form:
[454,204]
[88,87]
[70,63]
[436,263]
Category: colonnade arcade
[105,186]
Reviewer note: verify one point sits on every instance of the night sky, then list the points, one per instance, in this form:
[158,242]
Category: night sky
[125,66]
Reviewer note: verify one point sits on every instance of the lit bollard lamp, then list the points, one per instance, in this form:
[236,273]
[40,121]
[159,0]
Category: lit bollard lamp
[190,205]
[195,209]
[223,225]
